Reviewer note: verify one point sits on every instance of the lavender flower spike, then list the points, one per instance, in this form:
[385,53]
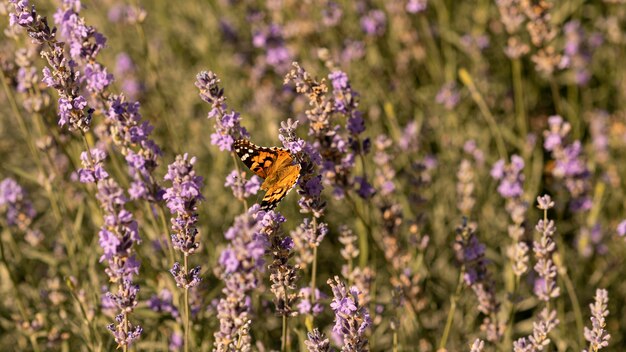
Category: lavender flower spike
[182,199]
[477,346]
[14,206]
[351,318]
[597,336]
[317,342]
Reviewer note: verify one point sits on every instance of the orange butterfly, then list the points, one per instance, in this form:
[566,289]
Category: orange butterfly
[276,165]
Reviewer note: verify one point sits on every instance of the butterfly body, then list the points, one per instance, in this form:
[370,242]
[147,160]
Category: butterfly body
[275,165]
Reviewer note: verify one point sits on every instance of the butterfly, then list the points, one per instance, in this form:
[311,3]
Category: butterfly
[277,166]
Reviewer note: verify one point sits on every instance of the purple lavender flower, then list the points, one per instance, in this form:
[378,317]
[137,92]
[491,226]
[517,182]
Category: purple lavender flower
[416,6]
[547,321]
[545,286]
[317,342]
[227,124]
[239,267]
[364,189]
[570,165]
[621,228]
[271,39]
[597,336]
[126,301]
[578,52]
[84,41]
[126,70]
[176,342]
[125,333]
[93,170]
[374,23]
[310,304]
[351,318]
[97,78]
[163,302]
[448,96]
[14,206]
[185,279]
[132,135]
[331,14]
[510,176]
[241,187]
[182,199]
[471,253]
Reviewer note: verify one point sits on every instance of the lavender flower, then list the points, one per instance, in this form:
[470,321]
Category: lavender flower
[227,124]
[374,23]
[510,176]
[125,333]
[271,39]
[545,286]
[477,346]
[126,70]
[239,267]
[117,237]
[541,328]
[242,188]
[310,303]
[317,342]
[351,318]
[511,14]
[570,165]
[597,336]
[578,52]
[306,237]
[132,135]
[85,43]
[448,96]
[163,303]
[465,187]
[471,254]
[16,209]
[176,342]
[93,170]
[331,14]
[621,228]
[283,275]
[416,6]
[182,199]
[60,73]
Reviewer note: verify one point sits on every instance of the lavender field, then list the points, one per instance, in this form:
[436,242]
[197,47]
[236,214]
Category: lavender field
[457,173]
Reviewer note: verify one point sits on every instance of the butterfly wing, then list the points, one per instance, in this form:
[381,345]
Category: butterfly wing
[258,159]
[275,165]
[276,191]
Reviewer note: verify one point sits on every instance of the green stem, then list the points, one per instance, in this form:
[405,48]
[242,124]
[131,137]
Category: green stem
[556,97]
[484,109]
[313,272]
[363,235]
[520,107]
[508,337]
[83,311]
[187,317]
[285,335]
[395,340]
[450,318]
[571,293]
[166,230]
[125,345]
